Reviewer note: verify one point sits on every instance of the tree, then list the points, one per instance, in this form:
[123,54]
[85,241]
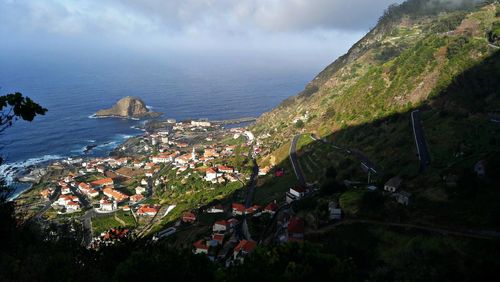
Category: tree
[14,106]
[299,124]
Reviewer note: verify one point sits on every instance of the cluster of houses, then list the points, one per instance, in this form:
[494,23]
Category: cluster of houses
[67,201]
[393,186]
[192,160]
[102,190]
[224,244]
[110,237]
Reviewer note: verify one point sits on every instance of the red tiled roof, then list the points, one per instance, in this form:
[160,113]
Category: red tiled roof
[246,246]
[84,185]
[225,168]
[147,209]
[296,225]
[189,216]
[299,189]
[136,197]
[271,207]
[211,170]
[238,207]
[114,194]
[200,245]
[102,181]
[218,237]
[221,222]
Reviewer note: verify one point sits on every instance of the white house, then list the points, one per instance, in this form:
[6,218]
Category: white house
[107,205]
[163,158]
[295,193]
[393,184]
[210,174]
[65,190]
[216,209]
[220,226]
[72,206]
[140,190]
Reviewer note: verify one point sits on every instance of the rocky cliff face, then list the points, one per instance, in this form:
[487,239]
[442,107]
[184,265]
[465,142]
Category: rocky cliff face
[128,107]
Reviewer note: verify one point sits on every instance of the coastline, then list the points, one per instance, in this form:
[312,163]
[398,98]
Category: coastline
[113,116]
[42,162]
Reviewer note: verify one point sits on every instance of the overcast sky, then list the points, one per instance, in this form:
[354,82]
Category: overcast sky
[274,25]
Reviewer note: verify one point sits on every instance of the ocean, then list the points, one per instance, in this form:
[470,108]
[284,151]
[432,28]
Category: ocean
[73,88]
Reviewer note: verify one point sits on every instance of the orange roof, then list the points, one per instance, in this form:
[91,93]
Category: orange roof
[147,209]
[246,246]
[200,245]
[238,207]
[103,181]
[296,225]
[271,207]
[84,185]
[117,195]
[189,215]
[222,167]
[211,170]
[218,237]
[221,222]
[136,197]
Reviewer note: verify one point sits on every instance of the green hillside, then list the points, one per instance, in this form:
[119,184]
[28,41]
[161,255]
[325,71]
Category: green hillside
[442,62]
[408,59]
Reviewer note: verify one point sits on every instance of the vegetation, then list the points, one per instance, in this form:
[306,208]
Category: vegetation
[408,62]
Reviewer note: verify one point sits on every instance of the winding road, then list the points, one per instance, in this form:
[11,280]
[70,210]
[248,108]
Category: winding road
[295,163]
[441,230]
[421,144]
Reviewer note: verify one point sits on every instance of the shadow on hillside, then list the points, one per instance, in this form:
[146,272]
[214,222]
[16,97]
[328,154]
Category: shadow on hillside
[459,132]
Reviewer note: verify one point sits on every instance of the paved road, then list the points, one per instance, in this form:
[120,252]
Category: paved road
[251,185]
[368,165]
[441,230]
[295,162]
[272,222]
[86,220]
[47,206]
[421,144]
[493,46]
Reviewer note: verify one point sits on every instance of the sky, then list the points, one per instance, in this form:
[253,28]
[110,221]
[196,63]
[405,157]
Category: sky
[313,27]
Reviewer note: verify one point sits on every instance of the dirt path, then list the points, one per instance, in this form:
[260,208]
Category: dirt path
[441,230]
[120,220]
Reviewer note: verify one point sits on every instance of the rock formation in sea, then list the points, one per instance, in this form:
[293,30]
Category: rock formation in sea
[128,107]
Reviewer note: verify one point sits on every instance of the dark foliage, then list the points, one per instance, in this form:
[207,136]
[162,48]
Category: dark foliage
[15,106]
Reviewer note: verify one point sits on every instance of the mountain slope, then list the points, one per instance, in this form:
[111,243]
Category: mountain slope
[407,59]
[440,63]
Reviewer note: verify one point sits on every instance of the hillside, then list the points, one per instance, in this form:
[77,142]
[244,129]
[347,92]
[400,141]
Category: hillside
[404,63]
[441,62]
[437,59]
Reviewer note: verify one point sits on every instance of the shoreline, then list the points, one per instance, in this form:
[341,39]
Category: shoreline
[229,123]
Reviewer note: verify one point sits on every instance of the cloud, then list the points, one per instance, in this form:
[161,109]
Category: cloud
[190,24]
[189,16]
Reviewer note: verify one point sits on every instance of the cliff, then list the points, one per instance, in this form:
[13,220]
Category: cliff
[128,107]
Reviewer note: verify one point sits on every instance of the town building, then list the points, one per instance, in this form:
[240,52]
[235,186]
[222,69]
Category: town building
[238,209]
[393,184]
[295,193]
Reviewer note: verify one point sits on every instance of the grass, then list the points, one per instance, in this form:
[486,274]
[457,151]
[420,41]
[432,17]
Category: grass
[275,188]
[231,141]
[304,140]
[408,253]
[103,223]
[350,201]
